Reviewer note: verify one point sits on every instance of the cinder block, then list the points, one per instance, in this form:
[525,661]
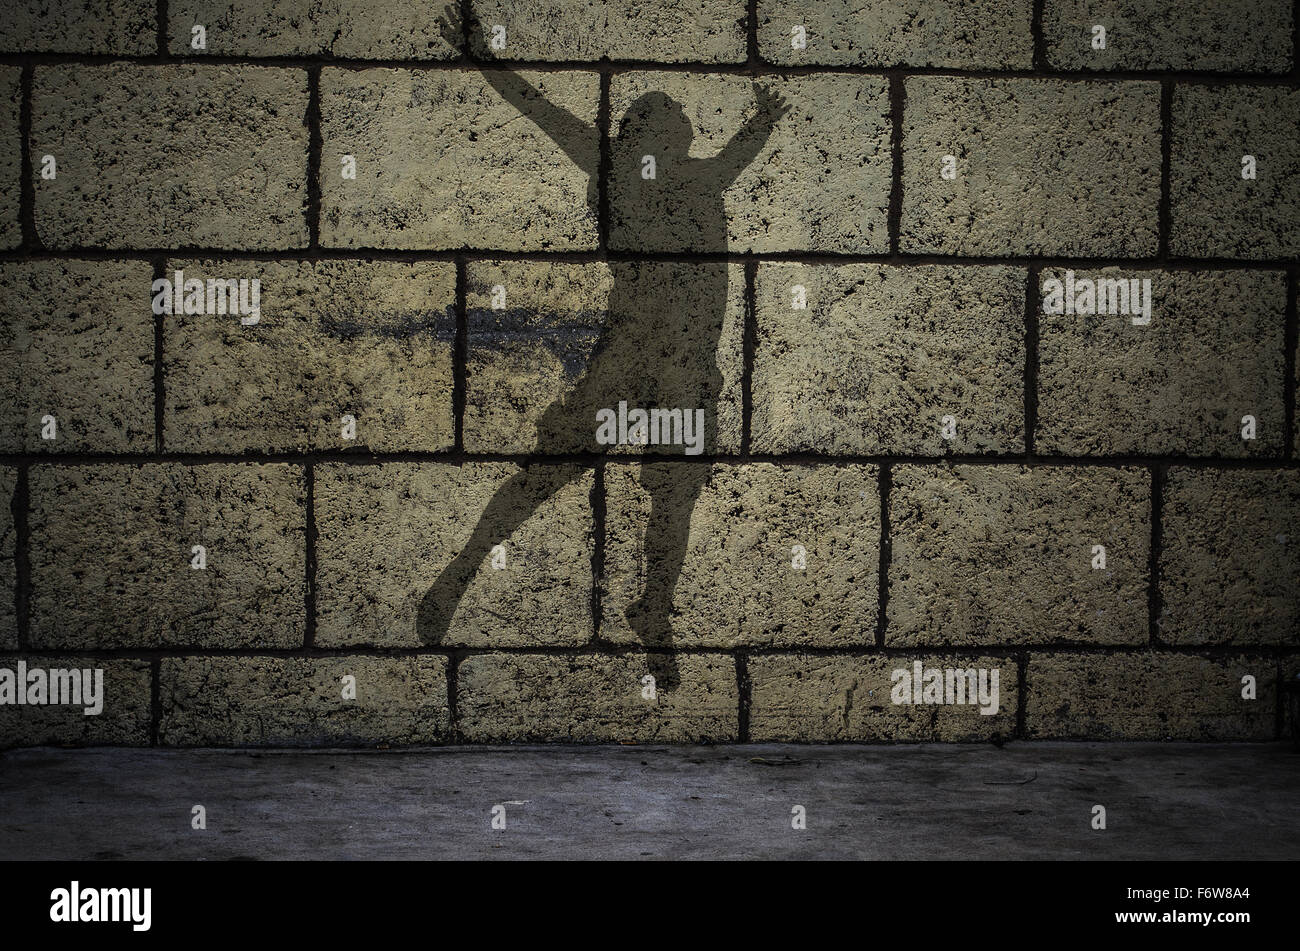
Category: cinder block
[11,171]
[1214,211]
[8,568]
[347,29]
[1230,559]
[443,161]
[1212,354]
[1043,166]
[572,339]
[1242,36]
[171,156]
[126,27]
[595,698]
[987,555]
[77,344]
[1157,696]
[821,699]
[992,34]
[729,175]
[124,720]
[388,533]
[300,701]
[668,31]
[371,340]
[705,556]
[879,355]
[112,555]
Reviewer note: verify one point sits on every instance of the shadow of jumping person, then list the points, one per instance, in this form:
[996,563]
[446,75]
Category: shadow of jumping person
[657,348]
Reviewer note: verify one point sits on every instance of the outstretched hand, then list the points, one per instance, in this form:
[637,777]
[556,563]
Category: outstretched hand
[770,103]
[450,24]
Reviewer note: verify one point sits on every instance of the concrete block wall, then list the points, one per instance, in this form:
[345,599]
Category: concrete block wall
[912,460]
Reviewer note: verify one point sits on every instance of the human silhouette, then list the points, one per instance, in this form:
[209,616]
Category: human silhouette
[656,349]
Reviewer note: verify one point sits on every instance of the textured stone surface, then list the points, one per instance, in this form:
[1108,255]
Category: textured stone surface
[745,579]
[668,31]
[111,550]
[295,701]
[590,698]
[1230,564]
[124,720]
[11,172]
[1241,36]
[443,161]
[1212,354]
[819,181]
[899,802]
[386,533]
[1004,555]
[127,27]
[8,571]
[368,339]
[1157,696]
[348,29]
[666,334]
[881,354]
[1290,672]
[1214,211]
[820,699]
[735,528]
[76,343]
[171,156]
[948,33]
[1044,166]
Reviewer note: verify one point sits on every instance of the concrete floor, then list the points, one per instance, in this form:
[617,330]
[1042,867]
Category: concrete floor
[1166,801]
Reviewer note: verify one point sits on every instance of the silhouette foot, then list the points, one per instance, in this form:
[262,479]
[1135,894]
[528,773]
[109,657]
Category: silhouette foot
[653,630]
[663,667]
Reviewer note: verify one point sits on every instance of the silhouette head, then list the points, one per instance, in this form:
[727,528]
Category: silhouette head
[657,119]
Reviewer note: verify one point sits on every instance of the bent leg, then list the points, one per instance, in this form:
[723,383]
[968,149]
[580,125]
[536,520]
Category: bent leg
[509,508]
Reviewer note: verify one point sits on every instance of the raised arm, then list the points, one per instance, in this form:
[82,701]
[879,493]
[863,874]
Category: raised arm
[749,141]
[570,133]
